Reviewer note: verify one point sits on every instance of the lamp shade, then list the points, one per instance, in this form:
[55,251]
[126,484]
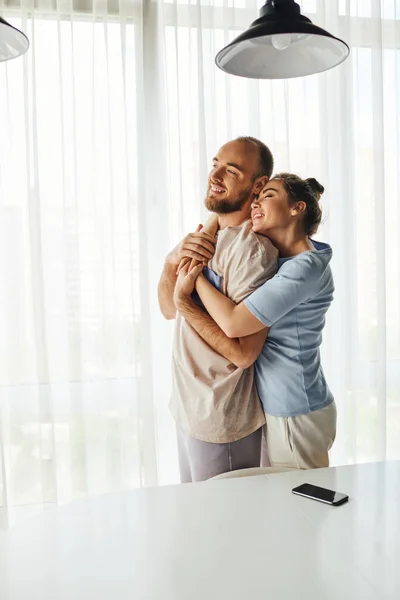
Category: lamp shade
[282,44]
[13,42]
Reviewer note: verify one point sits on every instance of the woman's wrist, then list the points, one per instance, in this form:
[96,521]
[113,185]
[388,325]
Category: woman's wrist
[200,280]
[212,225]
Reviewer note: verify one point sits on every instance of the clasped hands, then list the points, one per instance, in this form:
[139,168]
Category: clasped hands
[190,257]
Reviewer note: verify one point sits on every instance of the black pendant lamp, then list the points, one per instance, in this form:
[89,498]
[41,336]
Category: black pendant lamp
[282,44]
[13,42]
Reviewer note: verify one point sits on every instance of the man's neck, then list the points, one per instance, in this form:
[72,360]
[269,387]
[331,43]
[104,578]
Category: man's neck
[233,219]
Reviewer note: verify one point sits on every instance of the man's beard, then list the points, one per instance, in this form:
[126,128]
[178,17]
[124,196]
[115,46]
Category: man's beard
[225,206]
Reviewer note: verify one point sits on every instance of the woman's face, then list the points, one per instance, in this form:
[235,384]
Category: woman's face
[271,210]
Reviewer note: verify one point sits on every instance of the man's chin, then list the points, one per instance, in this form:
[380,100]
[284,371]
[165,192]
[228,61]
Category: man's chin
[213,204]
[223,206]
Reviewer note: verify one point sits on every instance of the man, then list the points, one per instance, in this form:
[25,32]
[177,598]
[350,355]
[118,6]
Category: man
[214,402]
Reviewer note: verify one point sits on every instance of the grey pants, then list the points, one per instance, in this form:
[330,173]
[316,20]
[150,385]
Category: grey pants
[199,460]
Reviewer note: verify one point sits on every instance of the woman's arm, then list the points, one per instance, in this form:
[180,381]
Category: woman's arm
[242,352]
[296,282]
[211,226]
[235,320]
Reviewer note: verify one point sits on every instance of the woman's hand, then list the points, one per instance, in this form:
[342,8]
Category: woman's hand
[185,283]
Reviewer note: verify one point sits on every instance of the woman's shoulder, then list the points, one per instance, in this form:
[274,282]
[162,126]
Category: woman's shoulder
[310,264]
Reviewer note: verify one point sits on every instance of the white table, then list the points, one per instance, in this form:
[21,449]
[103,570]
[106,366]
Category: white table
[238,539]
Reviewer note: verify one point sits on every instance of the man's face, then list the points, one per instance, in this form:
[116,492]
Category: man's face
[232,177]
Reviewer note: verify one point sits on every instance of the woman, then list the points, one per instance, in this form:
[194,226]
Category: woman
[300,409]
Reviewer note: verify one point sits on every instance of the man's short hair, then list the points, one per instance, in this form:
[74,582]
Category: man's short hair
[266,166]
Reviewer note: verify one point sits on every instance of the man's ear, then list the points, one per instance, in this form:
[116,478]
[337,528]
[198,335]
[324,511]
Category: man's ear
[259,183]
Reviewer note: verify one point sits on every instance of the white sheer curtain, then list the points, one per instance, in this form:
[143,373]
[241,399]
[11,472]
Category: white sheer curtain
[107,128]
[77,401]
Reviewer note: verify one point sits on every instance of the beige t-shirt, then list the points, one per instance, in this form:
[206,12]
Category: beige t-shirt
[212,399]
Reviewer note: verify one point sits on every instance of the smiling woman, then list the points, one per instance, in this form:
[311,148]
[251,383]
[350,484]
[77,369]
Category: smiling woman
[284,200]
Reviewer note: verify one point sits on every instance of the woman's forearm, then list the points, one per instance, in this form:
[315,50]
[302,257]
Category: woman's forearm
[235,320]
[219,307]
[211,226]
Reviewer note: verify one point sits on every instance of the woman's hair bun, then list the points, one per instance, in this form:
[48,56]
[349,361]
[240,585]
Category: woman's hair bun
[316,187]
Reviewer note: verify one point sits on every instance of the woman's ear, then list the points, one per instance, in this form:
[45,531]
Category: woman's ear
[299,208]
[259,184]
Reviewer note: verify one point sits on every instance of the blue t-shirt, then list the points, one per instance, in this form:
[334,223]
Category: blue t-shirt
[289,376]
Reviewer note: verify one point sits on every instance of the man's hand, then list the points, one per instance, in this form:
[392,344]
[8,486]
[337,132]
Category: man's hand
[211,227]
[185,283]
[198,245]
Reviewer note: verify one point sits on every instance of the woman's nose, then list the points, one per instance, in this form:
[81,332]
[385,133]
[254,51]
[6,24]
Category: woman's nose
[255,202]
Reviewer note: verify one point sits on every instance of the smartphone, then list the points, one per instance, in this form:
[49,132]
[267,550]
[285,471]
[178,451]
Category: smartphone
[322,494]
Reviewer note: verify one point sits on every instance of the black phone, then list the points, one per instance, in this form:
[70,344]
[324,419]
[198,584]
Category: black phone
[322,494]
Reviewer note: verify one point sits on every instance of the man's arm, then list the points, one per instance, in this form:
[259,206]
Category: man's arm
[199,246]
[166,287]
[242,352]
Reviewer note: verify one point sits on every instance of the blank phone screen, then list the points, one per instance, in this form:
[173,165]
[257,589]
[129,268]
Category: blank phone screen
[319,493]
